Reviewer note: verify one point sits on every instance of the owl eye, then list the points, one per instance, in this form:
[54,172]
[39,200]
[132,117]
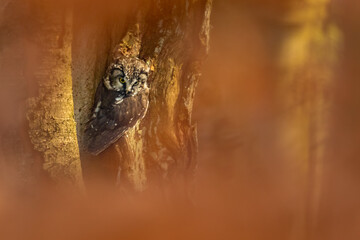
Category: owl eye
[122,80]
[136,83]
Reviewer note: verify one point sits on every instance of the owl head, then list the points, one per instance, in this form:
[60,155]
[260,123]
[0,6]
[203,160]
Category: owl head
[127,76]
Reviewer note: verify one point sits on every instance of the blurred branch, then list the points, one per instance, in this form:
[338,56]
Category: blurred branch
[307,58]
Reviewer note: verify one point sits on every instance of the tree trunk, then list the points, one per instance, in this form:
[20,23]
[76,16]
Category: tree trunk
[59,55]
[40,137]
[174,36]
[52,128]
[307,57]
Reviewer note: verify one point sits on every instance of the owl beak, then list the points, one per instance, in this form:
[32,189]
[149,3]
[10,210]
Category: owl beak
[128,90]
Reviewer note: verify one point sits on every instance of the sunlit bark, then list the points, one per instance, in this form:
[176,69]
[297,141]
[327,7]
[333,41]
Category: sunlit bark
[39,139]
[174,37]
[60,54]
[52,127]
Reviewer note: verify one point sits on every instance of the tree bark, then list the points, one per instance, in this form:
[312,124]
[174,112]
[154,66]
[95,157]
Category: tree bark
[52,128]
[53,58]
[174,37]
[42,137]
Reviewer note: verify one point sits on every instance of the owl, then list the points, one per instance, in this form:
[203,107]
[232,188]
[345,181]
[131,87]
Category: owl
[121,100]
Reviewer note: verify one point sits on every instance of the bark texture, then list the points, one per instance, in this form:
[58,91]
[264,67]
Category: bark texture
[42,138]
[63,50]
[52,128]
[174,37]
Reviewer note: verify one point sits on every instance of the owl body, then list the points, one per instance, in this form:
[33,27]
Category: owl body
[121,100]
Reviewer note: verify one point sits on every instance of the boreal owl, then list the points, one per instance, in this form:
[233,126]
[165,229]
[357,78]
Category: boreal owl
[121,100]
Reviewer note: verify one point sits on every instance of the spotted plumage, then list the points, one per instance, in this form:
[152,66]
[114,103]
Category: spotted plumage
[121,100]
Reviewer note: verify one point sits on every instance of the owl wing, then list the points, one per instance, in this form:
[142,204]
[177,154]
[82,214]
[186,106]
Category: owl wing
[113,121]
[100,91]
